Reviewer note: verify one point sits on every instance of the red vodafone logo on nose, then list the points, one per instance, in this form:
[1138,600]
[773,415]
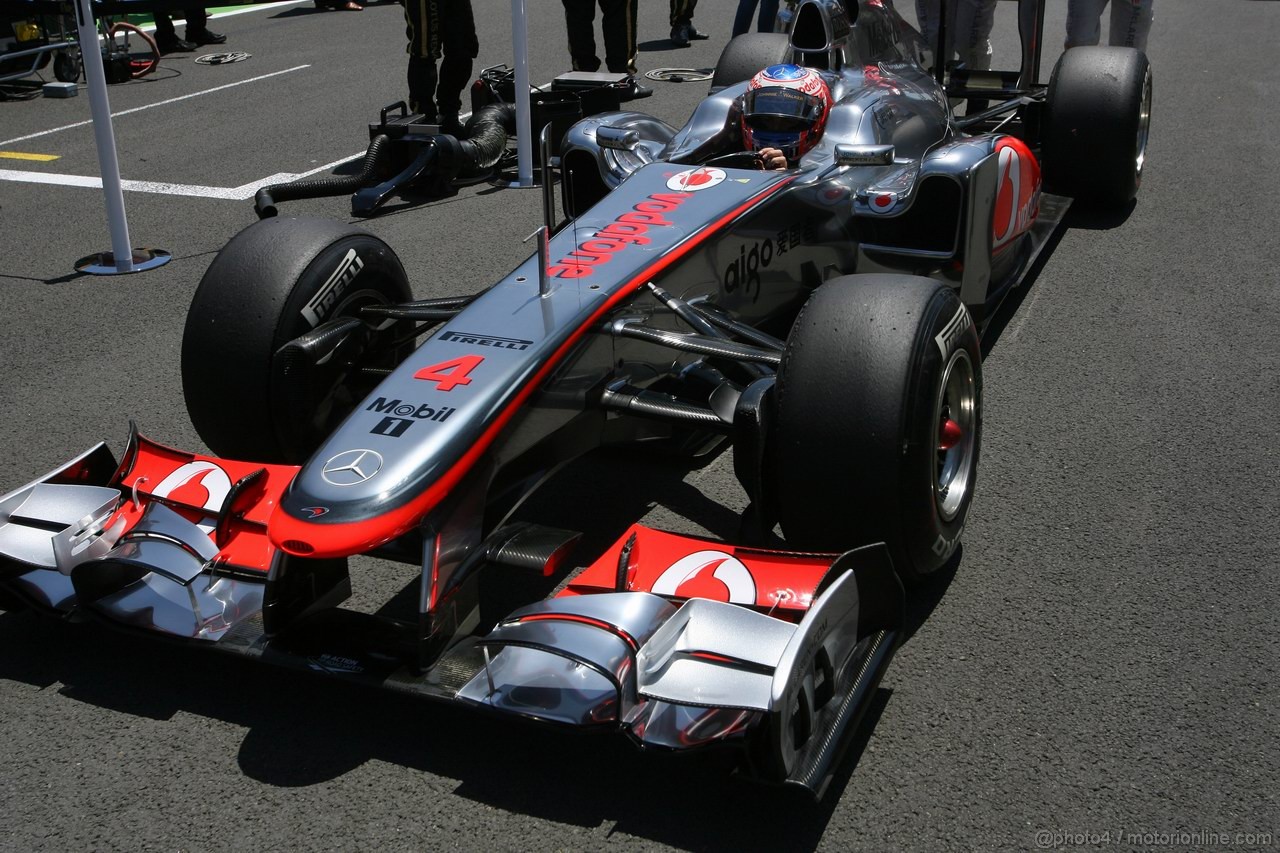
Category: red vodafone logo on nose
[691,180]
[199,484]
[708,574]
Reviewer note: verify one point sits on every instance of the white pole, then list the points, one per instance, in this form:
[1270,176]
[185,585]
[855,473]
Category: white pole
[524,140]
[103,134]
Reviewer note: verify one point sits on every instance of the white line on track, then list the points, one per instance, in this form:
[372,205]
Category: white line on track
[157,104]
[240,193]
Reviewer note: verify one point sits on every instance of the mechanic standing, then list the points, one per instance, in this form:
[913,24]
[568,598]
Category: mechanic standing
[969,25]
[1130,23]
[437,28]
[618,19]
[682,28]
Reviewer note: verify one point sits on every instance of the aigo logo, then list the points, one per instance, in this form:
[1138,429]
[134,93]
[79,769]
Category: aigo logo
[1017,192]
[708,574]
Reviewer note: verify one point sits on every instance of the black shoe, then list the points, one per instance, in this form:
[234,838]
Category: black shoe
[173,44]
[202,37]
[680,35]
[696,35]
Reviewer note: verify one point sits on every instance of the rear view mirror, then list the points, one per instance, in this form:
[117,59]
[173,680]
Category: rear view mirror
[864,155]
[617,138]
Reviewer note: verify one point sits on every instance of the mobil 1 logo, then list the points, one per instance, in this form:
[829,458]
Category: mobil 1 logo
[400,416]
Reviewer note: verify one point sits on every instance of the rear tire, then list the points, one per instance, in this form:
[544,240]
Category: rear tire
[743,56]
[874,366]
[278,279]
[1098,121]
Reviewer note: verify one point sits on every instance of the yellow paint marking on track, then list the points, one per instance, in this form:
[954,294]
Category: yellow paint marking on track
[19,155]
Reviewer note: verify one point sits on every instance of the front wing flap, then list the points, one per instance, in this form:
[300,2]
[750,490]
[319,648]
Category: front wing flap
[164,540]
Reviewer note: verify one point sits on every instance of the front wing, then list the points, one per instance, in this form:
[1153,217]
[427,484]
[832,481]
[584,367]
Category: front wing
[678,642]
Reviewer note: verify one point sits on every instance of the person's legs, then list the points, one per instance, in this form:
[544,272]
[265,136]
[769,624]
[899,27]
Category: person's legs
[1130,23]
[167,40]
[768,16]
[618,19]
[970,30]
[579,24]
[424,50]
[928,17]
[1083,22]
[682,28]
[460,47]
[742,18]
[198,32]
[164,27]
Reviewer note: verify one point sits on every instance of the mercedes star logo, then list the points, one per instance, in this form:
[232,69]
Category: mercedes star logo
[352,467]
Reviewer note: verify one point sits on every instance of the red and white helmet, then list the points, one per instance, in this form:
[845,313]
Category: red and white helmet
[785,107]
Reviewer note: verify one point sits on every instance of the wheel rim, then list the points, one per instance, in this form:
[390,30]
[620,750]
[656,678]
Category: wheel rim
[956,416]
[342,400]
[1144,124]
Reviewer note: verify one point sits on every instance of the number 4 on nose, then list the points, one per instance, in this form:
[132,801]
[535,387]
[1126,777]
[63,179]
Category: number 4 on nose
[449,374]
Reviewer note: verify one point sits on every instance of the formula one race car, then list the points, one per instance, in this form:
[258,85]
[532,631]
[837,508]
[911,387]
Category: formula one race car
[824,318]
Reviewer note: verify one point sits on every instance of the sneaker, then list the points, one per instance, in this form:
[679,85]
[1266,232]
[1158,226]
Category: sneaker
[696,34]
[680,35]
[173,44]
[203,37]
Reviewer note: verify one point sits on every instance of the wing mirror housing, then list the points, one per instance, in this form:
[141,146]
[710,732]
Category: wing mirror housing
[864,155]
[617,138]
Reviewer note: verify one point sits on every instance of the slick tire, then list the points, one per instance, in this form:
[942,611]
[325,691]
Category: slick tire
[743,56]
[278,279]
[1097,123]
[879,421]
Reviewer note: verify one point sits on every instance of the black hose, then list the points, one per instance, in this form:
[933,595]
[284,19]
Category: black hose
[265,200]
[484,144]
[486,137]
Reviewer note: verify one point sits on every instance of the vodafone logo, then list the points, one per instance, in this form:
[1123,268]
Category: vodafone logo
[692,180]
[201,484]
[833,195]
[708,574]
[882,202]
[1017,193]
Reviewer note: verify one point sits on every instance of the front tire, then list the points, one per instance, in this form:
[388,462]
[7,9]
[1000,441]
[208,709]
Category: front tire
[879,420]
[276,280]
[1097,124]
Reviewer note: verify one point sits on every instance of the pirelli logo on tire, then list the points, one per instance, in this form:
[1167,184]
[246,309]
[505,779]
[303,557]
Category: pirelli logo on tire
[957,326]
[321,305]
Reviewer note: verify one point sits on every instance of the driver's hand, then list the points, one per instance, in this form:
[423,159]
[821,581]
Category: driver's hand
[772,158]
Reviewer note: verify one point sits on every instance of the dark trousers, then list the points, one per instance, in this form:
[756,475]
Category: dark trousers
[196,17]
[682,12]
[435,29]
[617,19]
[764,24]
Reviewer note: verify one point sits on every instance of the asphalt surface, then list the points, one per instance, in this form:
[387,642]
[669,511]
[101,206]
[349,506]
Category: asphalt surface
[1101,671]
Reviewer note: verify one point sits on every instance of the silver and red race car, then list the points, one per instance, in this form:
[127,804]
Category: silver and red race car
[825,319]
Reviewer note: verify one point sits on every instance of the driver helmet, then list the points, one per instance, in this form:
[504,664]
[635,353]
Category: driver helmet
[785,107]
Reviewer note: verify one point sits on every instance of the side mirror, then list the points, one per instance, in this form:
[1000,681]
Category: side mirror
[617,138]
[864,155]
